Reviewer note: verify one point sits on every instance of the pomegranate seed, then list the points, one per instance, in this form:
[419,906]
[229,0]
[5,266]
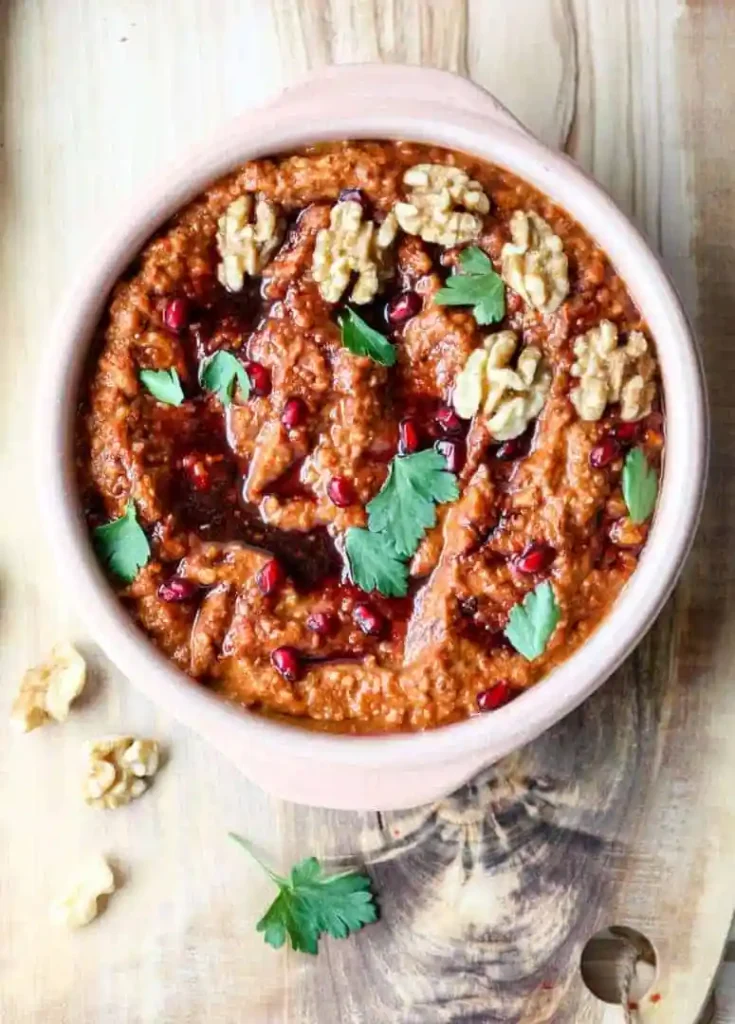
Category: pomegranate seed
[271,577]
[448,421]
[197,471]
[287,661]
[369,621]
[626,433]
[535,558]
[402,307]
[260,379]
[605,452]
[513,303]
[354,195]
[294,413]
[409,437]
[495,696]
[513,449]
[176,315]
[322,623]
[176,589]
[454,452]
[341,491]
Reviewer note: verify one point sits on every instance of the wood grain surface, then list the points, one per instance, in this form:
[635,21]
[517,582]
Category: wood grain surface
[623,814]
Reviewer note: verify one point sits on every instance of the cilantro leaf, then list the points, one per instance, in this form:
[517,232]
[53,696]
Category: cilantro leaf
[405,507]
[362,340]
[640,486]
[163,385]
[221,373]
[373,563]
[122,545]
[478,285]
[532,622]
[310,905]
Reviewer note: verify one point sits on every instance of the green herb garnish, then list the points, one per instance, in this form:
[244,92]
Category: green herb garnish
[222,373]
[398,517]
[532,622]
[163,385]
[640,486]
[122,545]
[310,905]
[406,505]
[477,285]
[374,564]
[362,340]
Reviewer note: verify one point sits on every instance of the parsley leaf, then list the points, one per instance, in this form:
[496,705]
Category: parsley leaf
[220,373]
[405,507]
[477,285]
[310,905]
[362,340]
[640,486]
[163,385]
[374,564]
[532,622]
[122,545]
[474,261]
[398,517]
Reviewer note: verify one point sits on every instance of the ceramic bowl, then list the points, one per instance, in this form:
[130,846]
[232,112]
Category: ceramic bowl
[371,101]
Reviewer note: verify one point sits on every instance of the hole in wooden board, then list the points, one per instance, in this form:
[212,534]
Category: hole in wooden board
[619,964]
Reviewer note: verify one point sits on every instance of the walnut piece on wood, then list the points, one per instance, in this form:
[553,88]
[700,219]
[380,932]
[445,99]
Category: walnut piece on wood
[79,904]
[609,372]
[118,768]
[442,205]
[352,245]
[47,690]
[534,264]
[248,233]
[508,398]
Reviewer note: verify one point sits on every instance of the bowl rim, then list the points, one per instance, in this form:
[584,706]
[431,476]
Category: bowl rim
[680,496]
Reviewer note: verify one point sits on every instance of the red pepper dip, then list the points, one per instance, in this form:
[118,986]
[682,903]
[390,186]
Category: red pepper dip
[370,437]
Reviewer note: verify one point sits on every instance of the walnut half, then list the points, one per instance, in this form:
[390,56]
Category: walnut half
[442,204]
[508,398]
[117,769]
[534,263]
[248,233]
[78,906]
[47,690]
[352,245]
[609,372]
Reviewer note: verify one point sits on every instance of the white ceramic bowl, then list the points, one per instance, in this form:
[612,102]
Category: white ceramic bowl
[371,101]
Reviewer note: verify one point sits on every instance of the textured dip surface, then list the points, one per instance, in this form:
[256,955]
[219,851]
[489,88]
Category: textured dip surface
[245,494]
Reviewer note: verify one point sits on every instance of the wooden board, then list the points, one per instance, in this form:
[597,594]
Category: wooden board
[623,814]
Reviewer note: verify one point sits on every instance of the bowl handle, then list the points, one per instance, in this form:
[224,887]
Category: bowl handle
[395,84]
